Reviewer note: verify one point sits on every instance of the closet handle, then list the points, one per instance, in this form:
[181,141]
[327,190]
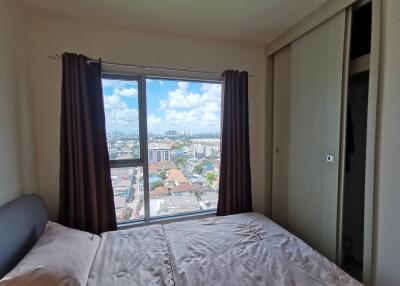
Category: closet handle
[329,158]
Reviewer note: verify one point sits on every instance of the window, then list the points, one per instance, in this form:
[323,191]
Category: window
[163,138]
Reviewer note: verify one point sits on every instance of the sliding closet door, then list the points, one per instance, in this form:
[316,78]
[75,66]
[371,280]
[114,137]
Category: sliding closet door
[281,124]
[314,134]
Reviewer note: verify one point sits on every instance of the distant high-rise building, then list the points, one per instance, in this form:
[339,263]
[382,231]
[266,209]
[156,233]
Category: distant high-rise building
[208,151]
[199,151]
[171,133]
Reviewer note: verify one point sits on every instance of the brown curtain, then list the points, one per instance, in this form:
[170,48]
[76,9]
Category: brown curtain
[86,194]
[235,177]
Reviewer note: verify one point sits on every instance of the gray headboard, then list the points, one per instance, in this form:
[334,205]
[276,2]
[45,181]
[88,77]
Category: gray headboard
[22,221]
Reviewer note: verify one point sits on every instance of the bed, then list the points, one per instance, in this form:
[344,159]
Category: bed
[242,249]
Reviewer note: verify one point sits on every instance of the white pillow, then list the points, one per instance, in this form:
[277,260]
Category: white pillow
[61,256]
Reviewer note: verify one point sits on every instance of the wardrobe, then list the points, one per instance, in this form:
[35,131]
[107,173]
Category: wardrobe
[322,91]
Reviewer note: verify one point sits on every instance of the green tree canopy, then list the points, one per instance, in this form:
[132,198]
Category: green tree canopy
[156,184]
[181,160]
[211,177]
[198,169]
[162,175]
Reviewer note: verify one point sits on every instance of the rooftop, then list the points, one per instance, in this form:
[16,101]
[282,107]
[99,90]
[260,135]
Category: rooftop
[158,146]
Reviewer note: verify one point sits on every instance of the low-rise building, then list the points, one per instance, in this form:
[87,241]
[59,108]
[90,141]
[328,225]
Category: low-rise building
[175,177]
[153,168]
[178,204]
[159,192]
[182,189]
[166,165]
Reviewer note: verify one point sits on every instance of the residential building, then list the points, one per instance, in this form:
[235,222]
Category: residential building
[158,152]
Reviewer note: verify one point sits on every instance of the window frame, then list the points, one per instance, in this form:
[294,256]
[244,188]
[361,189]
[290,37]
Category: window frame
[143,160]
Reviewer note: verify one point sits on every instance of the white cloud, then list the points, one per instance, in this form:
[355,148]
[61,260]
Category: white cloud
[174,117]
[209,118]
[182,110]
[114,102]
[126,92]
[108,83]
[119,116]
[178,98]
[212,106]
[182,98]
[163,104]
[212,91]
[125,120]
[153,120]
[195,112]
[195,120]
[114,83]
[183,85]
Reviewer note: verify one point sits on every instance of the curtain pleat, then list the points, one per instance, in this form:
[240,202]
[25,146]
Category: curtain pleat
[235,175]
[86,194]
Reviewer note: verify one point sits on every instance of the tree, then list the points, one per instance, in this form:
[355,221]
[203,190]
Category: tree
[181,160]
[211,177]
[198,169]
[179,146]
[162,175]
[156,184]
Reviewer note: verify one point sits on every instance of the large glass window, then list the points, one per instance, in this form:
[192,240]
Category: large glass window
[128,193]
[121,107]
[165,163]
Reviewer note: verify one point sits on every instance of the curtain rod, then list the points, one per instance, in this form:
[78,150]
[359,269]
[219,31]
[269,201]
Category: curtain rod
[57,57]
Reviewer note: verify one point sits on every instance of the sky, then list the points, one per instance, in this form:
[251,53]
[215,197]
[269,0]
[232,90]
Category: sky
[193,107]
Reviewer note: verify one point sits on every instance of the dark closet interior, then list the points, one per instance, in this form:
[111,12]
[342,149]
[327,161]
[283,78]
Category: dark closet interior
[361,31]
[356,134]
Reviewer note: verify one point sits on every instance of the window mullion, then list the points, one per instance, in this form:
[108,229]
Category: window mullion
[143,144]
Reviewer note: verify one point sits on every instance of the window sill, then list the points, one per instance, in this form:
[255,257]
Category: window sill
[167,219]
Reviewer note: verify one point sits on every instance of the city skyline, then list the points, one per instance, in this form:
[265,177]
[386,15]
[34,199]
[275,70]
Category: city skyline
[186,107]
[183,146]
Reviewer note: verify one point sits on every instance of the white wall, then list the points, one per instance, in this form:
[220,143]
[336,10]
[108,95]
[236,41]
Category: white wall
[17,174]
[48,35]
[388,186]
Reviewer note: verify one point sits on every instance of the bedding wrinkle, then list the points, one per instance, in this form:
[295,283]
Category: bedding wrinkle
[246,249]
[238,250]
[138,256]
[168,261]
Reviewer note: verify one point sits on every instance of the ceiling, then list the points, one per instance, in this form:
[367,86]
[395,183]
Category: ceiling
[258,21]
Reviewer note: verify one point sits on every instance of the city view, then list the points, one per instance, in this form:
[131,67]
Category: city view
[183,146]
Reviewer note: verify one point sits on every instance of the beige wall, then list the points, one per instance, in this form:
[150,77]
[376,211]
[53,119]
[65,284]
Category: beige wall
[388,185]
[16,152]
[49,35]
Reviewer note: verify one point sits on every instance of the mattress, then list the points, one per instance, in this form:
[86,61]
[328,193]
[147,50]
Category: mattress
[242,249]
